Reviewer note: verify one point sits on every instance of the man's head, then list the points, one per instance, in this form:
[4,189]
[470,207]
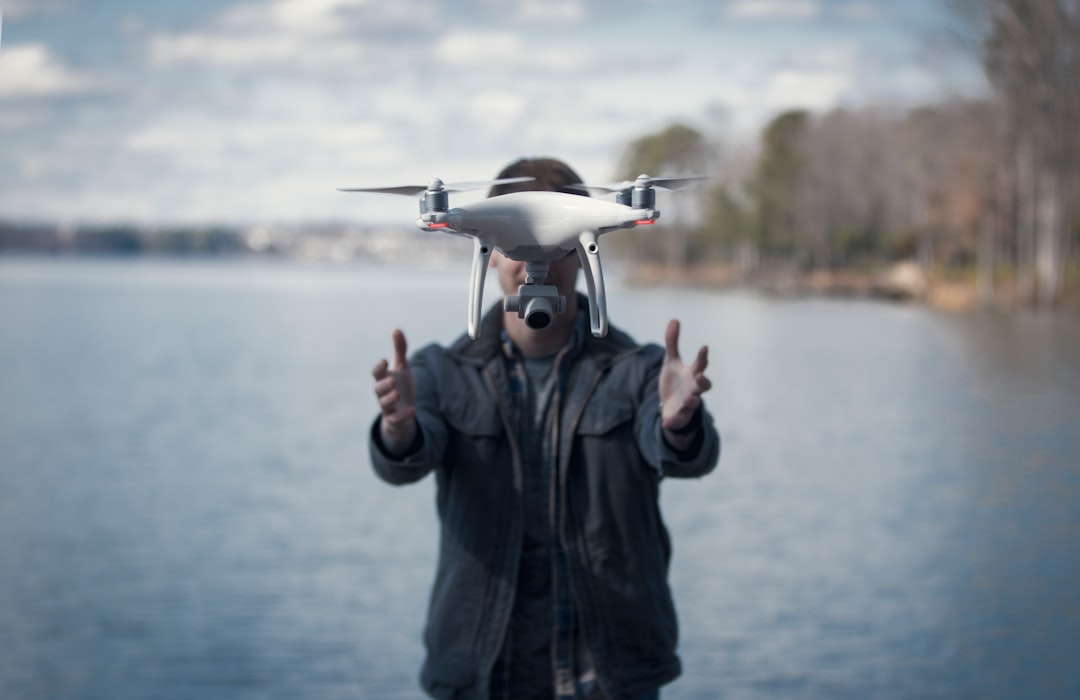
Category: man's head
[550,175]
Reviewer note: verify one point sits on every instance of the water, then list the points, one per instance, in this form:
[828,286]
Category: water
[187,509]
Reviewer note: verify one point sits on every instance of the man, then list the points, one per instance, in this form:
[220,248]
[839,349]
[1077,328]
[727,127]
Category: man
[548,447]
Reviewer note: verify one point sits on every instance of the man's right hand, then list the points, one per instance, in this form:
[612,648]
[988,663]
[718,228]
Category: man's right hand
[396,392]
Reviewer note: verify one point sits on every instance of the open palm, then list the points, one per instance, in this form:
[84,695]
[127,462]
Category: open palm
[681,384]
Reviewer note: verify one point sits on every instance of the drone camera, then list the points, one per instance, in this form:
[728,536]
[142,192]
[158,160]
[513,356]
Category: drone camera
[538,315]
[537,304]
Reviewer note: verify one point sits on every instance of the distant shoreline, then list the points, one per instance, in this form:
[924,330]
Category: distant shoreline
[953,290]
[903,282]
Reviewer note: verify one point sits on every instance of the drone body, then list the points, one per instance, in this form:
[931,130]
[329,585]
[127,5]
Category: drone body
[536,228]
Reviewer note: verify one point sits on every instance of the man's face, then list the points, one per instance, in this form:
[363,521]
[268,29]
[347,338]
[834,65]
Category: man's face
[562,273]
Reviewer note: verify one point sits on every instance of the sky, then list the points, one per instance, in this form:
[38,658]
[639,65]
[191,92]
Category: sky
[255,111]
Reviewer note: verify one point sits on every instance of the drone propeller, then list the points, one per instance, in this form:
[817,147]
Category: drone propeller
[480,184]
[675,183]
[664,183]
[436,185]
[641,193]
[408,190]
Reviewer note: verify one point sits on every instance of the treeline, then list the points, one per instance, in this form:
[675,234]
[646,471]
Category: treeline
[119,240]
[984,190]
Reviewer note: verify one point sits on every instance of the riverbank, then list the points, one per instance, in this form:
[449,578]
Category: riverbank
[953,291]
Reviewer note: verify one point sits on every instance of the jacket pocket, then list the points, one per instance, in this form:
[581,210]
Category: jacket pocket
[604,415]
[476,418]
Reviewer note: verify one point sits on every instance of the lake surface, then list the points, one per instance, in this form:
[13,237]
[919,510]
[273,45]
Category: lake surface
[187,509]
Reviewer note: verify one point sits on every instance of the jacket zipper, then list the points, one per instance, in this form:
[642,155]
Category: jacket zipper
[519,480]
[565,501]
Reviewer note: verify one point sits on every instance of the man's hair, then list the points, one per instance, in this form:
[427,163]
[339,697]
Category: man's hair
[550,175]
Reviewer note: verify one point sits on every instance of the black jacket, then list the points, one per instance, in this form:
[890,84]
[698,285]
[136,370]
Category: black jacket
[611,460]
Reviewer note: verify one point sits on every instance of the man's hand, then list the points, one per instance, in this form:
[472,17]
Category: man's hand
[681,387]
[396,393]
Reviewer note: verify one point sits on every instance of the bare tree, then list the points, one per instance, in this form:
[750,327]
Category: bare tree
[1032,59]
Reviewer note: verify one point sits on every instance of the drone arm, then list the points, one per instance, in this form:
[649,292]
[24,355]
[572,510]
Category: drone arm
[481,254]
[589,254]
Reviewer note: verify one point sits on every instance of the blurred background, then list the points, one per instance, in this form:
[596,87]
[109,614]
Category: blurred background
[884,265]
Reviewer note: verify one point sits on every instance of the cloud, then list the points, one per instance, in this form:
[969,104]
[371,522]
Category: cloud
[221,50]
[261,108]
[858,10]
[30,70]
[841,57]
[527,13]
[507,50]
[247,169]
[200,139]
[251,51]
[817,79]
[496,110]
[302,17]
[19,118]
[470,48]
[314,34]
[774,9]
[21,9]
[550,11]
[806,89]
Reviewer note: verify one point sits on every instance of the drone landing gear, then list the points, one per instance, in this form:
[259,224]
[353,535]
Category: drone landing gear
[481,255]
[589,254]
[536,302]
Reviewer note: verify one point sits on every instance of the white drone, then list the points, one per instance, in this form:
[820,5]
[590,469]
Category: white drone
[536,228]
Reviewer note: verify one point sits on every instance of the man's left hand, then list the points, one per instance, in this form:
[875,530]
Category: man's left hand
[681,385]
